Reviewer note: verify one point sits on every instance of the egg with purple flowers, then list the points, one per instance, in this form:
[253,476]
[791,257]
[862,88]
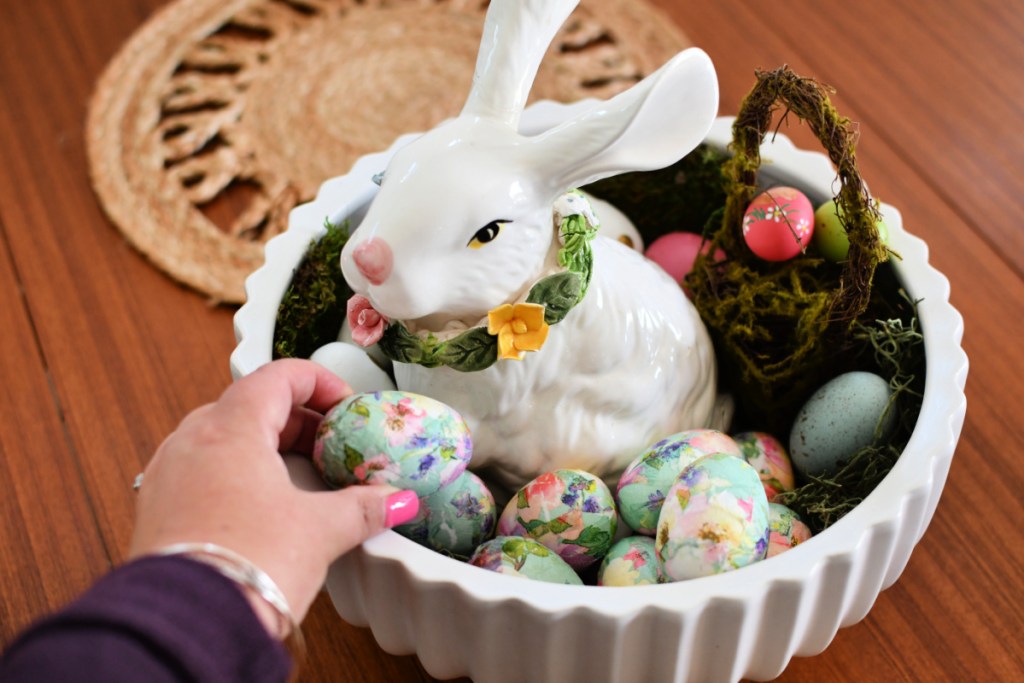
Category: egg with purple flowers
[646,480]
[715,519]
[572,512]
[768,456]
[455,519]
[632,561]
[392,437]
[524,558]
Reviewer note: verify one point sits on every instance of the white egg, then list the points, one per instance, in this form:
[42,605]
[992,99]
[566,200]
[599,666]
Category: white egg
[353,365]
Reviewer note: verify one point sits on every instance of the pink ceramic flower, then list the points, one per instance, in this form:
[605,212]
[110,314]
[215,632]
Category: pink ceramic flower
[367,324]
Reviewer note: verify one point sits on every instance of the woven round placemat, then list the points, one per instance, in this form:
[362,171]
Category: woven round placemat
[217,117]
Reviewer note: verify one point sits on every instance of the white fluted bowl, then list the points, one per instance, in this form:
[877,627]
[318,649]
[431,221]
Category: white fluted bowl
[461,620]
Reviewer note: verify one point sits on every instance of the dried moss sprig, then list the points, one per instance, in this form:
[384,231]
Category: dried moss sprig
[898,356]
[313,308]
[777,326]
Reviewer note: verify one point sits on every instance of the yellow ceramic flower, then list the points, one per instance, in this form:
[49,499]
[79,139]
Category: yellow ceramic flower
[520,327]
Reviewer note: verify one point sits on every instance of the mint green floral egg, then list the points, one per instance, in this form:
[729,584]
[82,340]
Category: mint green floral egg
[786,529]
[644,483]
[715,519]
[455,519]
[525,558]
[572,512]
[632,561]
[392,437]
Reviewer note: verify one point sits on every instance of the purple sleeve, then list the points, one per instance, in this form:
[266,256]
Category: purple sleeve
[157,619]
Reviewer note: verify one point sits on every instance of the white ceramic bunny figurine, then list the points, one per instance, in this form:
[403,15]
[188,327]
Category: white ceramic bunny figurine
[463,224]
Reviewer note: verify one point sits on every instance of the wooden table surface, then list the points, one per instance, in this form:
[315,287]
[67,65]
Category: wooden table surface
[101,355]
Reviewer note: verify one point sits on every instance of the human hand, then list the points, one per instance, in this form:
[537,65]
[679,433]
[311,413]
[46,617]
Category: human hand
[219,478]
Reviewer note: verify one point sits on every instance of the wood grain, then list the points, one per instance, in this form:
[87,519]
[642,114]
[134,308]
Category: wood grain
[101,355]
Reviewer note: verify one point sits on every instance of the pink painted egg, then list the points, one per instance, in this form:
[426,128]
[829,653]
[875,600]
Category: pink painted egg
[676,252]
[778,224]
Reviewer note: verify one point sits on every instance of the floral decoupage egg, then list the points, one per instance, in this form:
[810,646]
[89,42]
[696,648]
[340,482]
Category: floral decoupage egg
[630,562]
[778,224]
[768,456]
[392,437]
[525,558]
[572,512]
[786,529]
[455,519]
[644,483]
[715,519]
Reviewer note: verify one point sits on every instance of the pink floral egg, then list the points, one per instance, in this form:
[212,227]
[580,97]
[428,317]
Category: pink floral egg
[572,512]
[778,224]
[632,561]
[392,437]
[715,519]
[645,481]
[768,456]
[785,529]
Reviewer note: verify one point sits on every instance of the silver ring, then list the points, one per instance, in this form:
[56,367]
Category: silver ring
[137,484]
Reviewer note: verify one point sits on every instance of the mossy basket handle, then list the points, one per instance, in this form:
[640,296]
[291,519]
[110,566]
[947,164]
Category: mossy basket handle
[809,101]
[776,325]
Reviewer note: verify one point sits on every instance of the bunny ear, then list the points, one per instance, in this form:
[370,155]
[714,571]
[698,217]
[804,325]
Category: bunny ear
[652,125]
[517,33]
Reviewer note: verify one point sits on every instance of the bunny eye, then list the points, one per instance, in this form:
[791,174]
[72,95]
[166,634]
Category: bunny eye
[487,233]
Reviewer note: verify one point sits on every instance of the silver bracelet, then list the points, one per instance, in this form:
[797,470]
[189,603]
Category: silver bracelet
[248,575]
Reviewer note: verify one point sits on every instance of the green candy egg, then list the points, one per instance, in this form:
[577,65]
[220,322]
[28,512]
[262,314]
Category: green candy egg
[525,558]
[830,236]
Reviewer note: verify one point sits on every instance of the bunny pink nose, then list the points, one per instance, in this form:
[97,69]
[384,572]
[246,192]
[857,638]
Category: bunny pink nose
[373,259]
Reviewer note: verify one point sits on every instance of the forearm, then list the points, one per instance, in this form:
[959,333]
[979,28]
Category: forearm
[157,620]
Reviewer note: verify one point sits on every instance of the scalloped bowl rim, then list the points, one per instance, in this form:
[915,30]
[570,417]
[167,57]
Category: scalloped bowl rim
[916,479]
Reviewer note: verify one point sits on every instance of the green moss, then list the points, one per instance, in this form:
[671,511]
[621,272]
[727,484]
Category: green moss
[313,308]
[680,197]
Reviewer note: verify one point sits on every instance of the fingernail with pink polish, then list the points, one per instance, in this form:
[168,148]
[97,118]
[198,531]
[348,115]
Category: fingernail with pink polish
[402,507]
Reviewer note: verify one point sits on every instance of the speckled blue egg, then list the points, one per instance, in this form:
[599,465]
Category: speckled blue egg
[715,519]
[455,519]
[392,437]
[632,561]
[644,483]
[838,420]
[525,558]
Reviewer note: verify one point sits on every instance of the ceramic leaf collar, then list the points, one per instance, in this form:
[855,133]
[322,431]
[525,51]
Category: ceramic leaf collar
[512,328]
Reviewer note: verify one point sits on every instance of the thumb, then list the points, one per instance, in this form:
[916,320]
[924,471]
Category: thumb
[356,513]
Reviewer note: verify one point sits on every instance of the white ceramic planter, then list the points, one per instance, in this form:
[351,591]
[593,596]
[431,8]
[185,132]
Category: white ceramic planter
[465,621]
